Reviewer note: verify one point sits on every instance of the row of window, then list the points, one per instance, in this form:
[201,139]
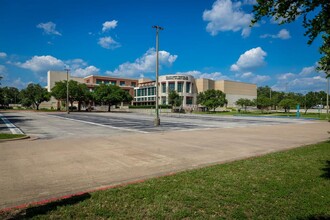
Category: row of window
[144,99]
[171,87]
[113,82]
[145,91]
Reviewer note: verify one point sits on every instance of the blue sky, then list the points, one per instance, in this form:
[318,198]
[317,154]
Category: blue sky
[204,38]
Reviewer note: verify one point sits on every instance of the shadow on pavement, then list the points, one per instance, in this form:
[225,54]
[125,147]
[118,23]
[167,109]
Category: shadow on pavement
[326,170]
[30,212]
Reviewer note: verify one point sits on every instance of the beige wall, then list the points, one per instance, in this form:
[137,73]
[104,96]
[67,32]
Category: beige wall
[56,76]
[240,88]
[204,84]
[234,90]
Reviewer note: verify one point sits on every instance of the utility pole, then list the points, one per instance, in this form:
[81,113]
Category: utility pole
[67,90]
[157,119]
[328,76]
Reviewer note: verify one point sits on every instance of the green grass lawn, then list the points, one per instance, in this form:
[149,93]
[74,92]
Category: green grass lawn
[321,116]
[293,184]
[11,136]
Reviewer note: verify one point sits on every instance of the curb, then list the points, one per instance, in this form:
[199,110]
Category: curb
[15,139]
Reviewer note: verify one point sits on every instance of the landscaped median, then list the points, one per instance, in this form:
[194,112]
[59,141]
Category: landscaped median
[8,137]
[292,184]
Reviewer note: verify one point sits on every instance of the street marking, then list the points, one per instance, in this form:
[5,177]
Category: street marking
[13,129]
[97,124]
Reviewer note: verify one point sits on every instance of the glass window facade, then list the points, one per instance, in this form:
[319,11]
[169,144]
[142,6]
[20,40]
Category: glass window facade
[180,86]
[163,87]
[171,86]
[189,100]
[188,87]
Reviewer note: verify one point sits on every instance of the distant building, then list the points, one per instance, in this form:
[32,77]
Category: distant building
[143,90]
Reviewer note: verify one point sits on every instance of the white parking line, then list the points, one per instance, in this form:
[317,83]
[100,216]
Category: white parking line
[13,129]
[97,124]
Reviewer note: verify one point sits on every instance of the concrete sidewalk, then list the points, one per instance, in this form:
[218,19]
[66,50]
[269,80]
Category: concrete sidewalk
[43,169]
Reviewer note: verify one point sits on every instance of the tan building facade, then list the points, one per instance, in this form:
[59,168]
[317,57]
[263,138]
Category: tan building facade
[143,90]
[234,90]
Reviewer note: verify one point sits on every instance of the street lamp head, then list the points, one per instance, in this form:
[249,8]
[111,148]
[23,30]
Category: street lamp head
[158,27]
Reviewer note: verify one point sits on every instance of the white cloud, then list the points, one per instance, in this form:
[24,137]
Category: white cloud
[226,15]
[301,82]
[252,78]
[3,55]
[286,76]
[257,79]
[198,74]
[3,70]
[250,59]
[76,63]
[82,72]
[42,64]
[247,75]
[18,83]
[49,28]
[108,25]
[144,64]
[283,34]
[308,70]
[108,43]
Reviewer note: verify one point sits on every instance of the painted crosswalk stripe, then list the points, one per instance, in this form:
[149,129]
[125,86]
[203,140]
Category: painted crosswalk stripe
[13,129]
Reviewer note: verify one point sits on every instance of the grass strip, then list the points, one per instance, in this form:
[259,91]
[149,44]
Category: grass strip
[287,185]
[11,136]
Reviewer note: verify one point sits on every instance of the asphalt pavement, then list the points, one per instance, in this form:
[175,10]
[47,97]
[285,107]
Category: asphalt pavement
[85,152]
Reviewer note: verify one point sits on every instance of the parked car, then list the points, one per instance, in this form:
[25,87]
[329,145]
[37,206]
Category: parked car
[318,106]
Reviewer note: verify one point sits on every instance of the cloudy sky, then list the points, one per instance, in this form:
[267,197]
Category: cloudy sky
[204,38]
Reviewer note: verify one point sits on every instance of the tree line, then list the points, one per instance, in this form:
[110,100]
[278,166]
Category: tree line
[34,94]
[268,99]
[106,94]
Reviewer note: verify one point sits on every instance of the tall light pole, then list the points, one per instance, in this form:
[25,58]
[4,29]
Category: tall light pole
[67,90]
[328,76]
[157,119]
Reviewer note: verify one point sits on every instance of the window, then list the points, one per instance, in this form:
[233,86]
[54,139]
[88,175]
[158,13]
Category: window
[153,91]
[139,92]
[122,83]
[133,84]
[188,87]
[164,100]
[180,86]
[171,86]
[113,82]
[163,87]
[189,100]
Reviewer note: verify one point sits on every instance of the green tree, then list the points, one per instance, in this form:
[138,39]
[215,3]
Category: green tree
[9,95]
[34,94]
[287,104]
[212,99]
[174,99]
[59,91]
[244,103]
[78,92]
[311,99]
[110,95]
[262,102]
[316,17]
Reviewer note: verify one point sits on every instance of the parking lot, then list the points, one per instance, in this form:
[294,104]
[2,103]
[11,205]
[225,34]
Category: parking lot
[81,124]
[82,152]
